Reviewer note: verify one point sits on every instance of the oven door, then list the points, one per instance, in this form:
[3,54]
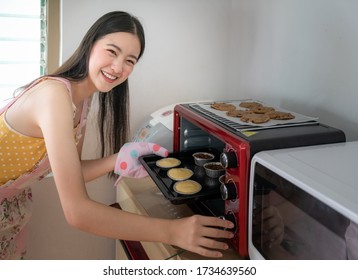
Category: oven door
[287,222]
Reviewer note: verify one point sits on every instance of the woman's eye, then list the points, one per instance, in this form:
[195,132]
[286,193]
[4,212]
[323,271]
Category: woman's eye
[131,62]
[112,52]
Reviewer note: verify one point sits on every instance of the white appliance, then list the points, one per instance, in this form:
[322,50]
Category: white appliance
[310,195]
[158,128]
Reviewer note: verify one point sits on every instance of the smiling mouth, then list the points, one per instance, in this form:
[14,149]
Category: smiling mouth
[109,76]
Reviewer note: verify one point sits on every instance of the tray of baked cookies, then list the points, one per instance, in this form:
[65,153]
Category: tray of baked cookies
[253,112]
[186,175]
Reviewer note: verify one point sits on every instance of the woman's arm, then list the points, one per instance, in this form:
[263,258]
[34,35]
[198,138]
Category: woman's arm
[94,168]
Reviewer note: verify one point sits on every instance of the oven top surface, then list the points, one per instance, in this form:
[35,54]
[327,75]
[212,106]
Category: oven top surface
[300,131]
[328,171]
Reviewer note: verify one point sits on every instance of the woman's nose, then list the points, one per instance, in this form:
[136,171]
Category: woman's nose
[117,66]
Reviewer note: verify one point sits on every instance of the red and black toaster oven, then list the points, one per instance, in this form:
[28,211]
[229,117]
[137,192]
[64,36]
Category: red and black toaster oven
[198,127]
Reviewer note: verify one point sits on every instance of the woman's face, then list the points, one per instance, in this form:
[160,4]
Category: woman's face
[112,60]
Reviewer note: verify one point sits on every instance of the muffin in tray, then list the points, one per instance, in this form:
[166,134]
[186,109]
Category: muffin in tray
[167,163]
[214,169]
[187,187]
[179,174]
[200,158]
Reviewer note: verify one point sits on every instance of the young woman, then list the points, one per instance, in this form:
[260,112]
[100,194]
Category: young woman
[42,128]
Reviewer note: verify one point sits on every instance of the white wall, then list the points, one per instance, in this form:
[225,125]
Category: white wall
[300,54]
[186,54]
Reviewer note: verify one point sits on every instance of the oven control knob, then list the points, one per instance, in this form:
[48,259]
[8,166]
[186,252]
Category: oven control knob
[228,159]
[228,191]
[230,217]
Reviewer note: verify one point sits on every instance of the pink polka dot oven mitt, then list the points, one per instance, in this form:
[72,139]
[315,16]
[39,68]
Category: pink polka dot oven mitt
[127,163]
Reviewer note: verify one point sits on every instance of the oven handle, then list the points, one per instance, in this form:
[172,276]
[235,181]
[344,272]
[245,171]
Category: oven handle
[133,249]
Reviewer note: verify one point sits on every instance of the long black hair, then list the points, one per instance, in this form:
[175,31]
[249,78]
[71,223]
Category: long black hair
[113,115]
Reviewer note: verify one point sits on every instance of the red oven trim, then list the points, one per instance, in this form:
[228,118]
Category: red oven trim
[134,249]
[200,121]
[239,175]
[176,132]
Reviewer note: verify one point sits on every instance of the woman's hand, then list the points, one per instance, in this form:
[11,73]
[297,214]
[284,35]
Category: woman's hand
[127,163]
[201,234]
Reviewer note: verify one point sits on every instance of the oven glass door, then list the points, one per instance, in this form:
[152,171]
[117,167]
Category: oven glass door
[289,223]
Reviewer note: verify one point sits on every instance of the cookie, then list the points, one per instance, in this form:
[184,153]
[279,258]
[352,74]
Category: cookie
[255,118]
[250,105]
[222,106]
[277,115]
[262,109]
[238,113]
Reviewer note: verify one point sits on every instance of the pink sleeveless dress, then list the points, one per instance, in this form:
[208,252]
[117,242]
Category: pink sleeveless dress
[15,194]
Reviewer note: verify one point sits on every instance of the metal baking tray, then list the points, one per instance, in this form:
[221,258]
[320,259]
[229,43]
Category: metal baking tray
[210,186]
